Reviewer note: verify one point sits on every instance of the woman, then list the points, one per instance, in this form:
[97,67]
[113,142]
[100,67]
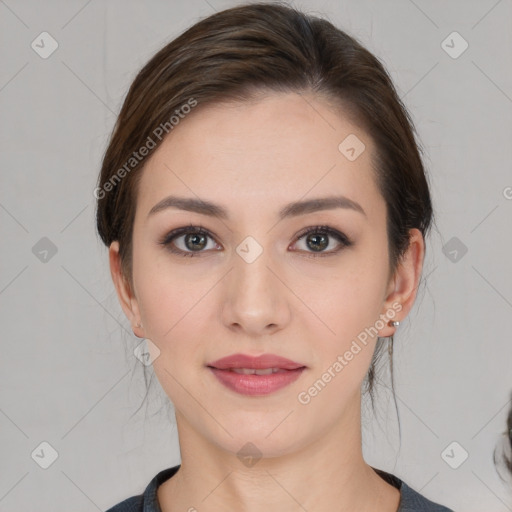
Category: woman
[265,208]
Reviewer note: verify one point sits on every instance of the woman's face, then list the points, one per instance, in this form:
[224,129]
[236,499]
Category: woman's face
[253,284]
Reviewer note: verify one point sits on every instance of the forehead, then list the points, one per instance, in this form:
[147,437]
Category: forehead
[272,150]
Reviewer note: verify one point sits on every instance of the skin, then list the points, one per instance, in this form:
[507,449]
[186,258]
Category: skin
[253,158]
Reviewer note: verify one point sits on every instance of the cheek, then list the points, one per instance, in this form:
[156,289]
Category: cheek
[176,307]
[163,293]
[170,311]
[350,307]
[349,300]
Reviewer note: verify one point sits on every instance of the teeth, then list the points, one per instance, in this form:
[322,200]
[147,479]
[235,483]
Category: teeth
[252,371]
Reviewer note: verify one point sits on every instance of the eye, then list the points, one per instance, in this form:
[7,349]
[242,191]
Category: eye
[317,239]
[186,241]
[192,240]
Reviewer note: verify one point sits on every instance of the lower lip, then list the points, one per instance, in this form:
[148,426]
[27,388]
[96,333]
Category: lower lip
[256,384]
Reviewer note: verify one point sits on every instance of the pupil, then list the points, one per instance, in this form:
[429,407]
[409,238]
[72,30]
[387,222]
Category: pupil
[315,237]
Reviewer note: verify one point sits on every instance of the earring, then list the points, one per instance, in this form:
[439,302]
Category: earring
[394,323]
[139,325]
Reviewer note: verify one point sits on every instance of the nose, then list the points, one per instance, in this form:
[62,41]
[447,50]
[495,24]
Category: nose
[255,300]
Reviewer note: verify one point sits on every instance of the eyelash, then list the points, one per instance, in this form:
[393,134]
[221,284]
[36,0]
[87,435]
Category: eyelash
[200,230]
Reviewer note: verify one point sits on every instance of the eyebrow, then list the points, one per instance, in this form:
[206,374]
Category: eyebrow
[291,210]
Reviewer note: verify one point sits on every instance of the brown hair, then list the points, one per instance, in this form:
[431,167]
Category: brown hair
[502,455]
[239,52]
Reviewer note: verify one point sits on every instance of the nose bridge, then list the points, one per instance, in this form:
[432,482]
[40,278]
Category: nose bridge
[255,297]
[252,277]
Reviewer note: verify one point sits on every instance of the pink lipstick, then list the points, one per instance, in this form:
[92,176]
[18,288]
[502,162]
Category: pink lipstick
[260,375]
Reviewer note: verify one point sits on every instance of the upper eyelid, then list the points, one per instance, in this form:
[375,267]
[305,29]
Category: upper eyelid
[202,230]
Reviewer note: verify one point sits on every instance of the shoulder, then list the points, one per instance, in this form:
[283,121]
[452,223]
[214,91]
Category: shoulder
[133,504]
[410,500]
[147,501]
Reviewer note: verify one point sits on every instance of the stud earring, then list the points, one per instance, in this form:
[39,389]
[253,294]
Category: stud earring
[394,323]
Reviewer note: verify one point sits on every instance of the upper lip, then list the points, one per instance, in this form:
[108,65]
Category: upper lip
[256,363]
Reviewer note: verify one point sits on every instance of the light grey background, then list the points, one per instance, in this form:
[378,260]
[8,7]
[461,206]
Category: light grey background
[65,376]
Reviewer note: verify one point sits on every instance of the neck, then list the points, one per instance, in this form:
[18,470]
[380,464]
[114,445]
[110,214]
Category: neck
[329,470]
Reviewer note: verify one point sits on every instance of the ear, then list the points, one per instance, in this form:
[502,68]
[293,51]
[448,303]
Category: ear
[124,291]
[403,286]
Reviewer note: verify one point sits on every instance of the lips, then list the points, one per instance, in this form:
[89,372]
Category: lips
[263,362]
[262,375]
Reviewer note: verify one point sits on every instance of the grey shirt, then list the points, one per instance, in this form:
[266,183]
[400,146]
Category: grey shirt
[410,500]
